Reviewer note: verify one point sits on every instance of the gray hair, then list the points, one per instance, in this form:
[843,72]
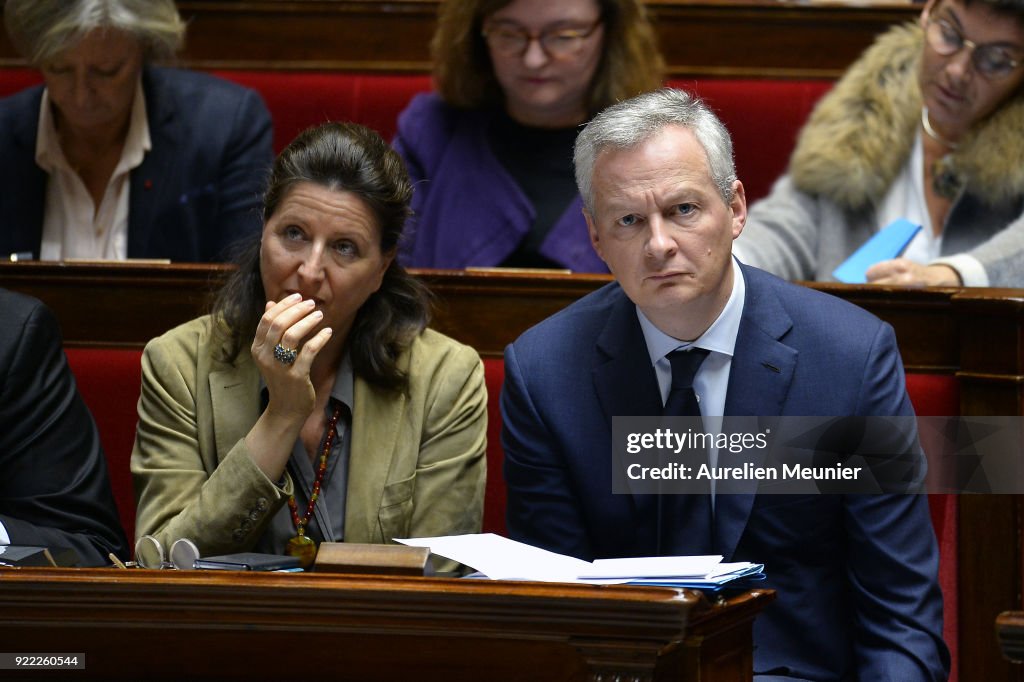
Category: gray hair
[633,121]
[41,29]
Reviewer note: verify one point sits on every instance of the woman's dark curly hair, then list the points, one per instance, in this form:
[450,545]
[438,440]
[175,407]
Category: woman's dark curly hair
[351,158]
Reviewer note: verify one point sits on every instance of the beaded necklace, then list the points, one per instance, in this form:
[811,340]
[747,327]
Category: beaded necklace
[302,546]
[946,181]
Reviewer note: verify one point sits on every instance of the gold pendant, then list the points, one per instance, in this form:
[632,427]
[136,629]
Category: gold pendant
[304,548]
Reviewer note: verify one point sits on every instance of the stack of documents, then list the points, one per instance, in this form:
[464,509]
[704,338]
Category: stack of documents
[703,572]
[499,558]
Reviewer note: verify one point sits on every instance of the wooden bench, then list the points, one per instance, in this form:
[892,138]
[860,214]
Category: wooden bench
[963,351]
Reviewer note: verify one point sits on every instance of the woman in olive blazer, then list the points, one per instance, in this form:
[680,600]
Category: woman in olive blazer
[314,379]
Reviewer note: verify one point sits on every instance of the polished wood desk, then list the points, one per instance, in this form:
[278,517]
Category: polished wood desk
[973,335]
[179,625]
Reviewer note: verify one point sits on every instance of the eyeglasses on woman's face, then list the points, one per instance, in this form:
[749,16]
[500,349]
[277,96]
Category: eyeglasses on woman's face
[991,60]
[513,40]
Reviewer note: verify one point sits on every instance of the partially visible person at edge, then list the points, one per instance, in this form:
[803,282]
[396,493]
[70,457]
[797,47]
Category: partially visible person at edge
[315,374]
[54,485]
[114,158]
[928,126]
[490,154]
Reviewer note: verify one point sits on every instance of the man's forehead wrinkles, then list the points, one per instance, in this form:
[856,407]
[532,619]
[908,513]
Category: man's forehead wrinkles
[643,192]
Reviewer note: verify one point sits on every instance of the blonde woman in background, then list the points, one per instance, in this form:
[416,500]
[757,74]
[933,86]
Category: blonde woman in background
[115,158]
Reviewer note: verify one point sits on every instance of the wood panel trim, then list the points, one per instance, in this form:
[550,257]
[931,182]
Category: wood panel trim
[724,38]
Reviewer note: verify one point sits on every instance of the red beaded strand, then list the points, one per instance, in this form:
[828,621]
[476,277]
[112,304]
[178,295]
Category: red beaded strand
[300,524]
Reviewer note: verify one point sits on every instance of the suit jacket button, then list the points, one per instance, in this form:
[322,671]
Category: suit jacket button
[261,504]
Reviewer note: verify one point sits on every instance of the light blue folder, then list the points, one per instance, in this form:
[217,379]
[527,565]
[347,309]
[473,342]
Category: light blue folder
[888,243]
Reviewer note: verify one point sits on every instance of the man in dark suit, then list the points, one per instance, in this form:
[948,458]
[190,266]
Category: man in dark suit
[54,487]
[196,192]
[855,575]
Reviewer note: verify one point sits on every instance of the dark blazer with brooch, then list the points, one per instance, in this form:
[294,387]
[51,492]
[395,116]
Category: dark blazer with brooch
[54,486]
[856,575]
[197,190]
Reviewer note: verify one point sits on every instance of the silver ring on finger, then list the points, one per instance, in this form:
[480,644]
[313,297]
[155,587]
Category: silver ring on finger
[285,356]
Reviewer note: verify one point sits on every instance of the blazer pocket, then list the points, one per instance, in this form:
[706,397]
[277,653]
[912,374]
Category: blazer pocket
[395,515]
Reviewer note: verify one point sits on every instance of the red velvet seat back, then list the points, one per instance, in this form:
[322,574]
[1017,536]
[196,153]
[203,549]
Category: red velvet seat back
[109,381]
[297,100]
[937,395]
[763,117]
[494,501]
[14,80]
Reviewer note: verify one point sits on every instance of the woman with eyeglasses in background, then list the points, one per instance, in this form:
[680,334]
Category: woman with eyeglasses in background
[927,126]
[491,152]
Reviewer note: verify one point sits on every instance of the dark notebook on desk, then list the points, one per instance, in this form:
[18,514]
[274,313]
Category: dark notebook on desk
[247,561]
[30,555]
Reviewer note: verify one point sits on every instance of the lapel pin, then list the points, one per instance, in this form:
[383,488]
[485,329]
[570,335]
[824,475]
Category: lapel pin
[147,184]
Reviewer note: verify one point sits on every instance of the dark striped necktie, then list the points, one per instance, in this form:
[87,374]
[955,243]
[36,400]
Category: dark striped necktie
[682,401]
[686,521]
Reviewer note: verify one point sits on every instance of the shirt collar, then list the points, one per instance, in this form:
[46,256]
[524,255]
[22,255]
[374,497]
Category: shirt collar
[50,156]
[48,153]
[344,381]
[138,142]
[720,337]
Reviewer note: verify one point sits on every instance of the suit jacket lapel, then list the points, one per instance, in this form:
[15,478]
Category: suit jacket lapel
[235,394]
[151,181]
[623,376]
[759,380]
[626,385]
[31,186]
[376,428]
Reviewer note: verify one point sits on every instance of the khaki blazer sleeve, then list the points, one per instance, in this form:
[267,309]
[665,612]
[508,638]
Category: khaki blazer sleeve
[419,464]
[448,496]
[193,475]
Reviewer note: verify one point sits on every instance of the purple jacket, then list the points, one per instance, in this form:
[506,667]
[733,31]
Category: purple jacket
[468,211]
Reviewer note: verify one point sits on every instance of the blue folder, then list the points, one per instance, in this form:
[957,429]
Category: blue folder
[888,243]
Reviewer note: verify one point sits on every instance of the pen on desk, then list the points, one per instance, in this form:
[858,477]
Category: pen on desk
[117,562]
[20,255]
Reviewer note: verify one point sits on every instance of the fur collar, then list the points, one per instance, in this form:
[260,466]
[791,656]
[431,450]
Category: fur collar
[859,135]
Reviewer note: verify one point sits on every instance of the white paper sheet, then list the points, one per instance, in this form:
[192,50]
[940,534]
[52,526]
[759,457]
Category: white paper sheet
[653,567]
[503,559]
[499,558]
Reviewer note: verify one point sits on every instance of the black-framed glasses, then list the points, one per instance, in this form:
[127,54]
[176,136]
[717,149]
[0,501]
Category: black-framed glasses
[513,40]
[990,60]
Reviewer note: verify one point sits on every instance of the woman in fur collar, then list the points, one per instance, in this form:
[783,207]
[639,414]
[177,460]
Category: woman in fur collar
[927,125]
